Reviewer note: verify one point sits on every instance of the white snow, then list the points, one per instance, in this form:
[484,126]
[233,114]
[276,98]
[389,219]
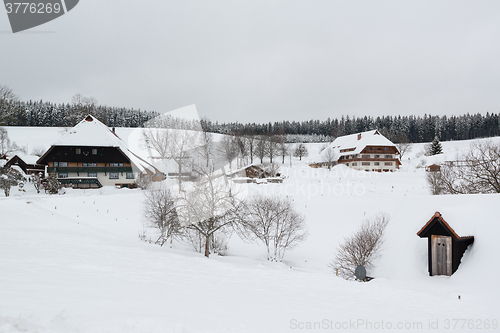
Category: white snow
[74,262]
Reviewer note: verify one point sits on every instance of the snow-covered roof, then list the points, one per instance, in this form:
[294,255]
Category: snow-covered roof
[90,132]
[359,141]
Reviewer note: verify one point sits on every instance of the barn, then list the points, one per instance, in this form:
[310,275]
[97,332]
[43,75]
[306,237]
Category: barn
[445,247]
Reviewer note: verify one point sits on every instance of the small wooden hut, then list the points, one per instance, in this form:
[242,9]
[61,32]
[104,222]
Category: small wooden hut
[445,247]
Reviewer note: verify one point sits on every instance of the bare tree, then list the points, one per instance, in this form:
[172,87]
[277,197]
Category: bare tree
[273,147]
[274,222]
[157,139]
[6,147]
[36,179]
[361,248]
[38,150]
[261,148]
[160,213]
[300,151]
[330,155]
[250,143]
[283,148]
[173,144]
[476,171]
[208,206]
[205,148]
[402,144]
[228,149]
[8,101]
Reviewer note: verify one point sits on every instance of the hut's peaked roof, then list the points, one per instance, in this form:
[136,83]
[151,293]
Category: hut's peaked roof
[361,140]
[437,218]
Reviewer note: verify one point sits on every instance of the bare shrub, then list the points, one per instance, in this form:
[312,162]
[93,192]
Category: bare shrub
[361,248]
[274,222]
[143,181]
[476,171]
[38,150]
[160,214]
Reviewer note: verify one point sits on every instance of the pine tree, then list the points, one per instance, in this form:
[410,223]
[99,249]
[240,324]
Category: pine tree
[53,185]
[436,147]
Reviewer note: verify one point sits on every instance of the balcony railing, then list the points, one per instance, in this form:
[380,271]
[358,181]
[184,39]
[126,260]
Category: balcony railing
[89,169]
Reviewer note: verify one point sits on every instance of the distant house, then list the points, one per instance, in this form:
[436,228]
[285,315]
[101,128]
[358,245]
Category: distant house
[253,174]
[433,168]
[445,246]
[27,163]
[91,155]
[368,151]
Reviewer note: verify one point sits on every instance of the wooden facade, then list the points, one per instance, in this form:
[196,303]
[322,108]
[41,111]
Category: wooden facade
[27,168]
[445,247]
[91,155]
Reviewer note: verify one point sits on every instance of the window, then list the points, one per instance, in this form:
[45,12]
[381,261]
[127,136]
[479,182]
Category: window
[56,164]
[63,164]
[365,156]
[388,156]
[377,156]
[365,163]
[114,175]
[388,163]
[89,164]
[62,175]
[347,164]
[354,163]
[130,175]
[387,148]
[115,164]
[376,163]
[78,151]
[92,174]
[94,151]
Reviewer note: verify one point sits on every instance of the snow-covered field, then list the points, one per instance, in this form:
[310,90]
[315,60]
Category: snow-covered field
[74,262]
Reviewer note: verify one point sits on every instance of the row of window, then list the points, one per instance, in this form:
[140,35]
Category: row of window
[65,164]
[368,163]
[79,151]
[378,148]
[112,175]
[376,156]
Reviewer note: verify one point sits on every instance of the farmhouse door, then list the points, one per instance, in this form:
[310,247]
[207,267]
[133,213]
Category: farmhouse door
[441,255]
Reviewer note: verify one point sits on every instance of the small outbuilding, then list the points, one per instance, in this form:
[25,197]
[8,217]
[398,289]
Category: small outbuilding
[433,168]
[445,247]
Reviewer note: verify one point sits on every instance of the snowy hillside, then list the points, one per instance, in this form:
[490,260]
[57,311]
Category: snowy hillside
[74,262]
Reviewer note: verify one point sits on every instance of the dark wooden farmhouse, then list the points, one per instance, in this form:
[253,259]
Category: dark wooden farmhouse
[28,168]
[445,247]
[90,155]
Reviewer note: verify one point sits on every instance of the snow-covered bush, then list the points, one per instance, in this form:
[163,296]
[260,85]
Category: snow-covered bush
[361,248]
[8,178]
[52,185]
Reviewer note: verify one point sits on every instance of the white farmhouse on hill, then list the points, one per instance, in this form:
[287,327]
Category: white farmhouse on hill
[368,151]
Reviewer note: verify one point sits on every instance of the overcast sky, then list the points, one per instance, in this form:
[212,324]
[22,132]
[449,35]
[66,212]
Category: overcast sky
[261,61]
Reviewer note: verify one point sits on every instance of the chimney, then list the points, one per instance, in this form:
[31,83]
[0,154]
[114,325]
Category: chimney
[359,136]
[113,130]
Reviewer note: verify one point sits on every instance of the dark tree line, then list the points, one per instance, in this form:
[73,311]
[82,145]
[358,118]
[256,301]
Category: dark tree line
[46,114]
[397,128]
[14,112]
